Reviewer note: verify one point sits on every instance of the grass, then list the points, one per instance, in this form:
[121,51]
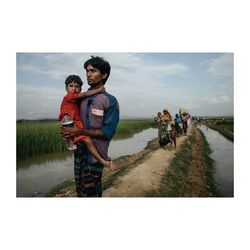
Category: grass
[35,139]
[40,138]
[209,167]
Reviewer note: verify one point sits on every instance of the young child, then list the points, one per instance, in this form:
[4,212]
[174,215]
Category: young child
[173,134]
[158,119]
[177,122]
[70,106]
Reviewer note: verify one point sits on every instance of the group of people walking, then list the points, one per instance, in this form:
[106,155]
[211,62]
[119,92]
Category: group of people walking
[169,128]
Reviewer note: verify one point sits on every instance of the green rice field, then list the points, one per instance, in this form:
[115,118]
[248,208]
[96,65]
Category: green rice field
[39,138]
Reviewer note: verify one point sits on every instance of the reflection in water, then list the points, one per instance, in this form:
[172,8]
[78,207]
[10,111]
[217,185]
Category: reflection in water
[43,159]
[38,175]
[132,145]
[39,178]
[128,129]
[223,155]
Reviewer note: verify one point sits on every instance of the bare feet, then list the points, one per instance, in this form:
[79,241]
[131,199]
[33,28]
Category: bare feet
[108,164]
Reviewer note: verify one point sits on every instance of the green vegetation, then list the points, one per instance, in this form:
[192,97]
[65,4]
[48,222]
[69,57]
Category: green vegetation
[209,167]
[40,159]
[39,138]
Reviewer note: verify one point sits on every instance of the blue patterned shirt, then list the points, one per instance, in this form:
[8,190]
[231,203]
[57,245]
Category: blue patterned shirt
[100,111]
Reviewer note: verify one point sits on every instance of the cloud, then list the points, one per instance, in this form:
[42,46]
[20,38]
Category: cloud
[54,65]
[38,102]
[142,83]
[136,63]
[222,66]
[218,99]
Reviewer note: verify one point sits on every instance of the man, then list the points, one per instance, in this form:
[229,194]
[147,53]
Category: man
[100,115]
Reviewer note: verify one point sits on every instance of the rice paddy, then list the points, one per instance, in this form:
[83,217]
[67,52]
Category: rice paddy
[39,138]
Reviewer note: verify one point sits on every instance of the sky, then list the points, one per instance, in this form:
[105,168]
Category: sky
[143,83]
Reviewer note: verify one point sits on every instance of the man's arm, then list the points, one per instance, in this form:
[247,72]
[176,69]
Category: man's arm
[72,132]
[91,92]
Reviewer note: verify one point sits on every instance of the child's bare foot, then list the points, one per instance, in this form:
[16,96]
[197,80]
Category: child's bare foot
[108,164]
[111,166]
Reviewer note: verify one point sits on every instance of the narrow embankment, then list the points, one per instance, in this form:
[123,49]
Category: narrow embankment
[191,172]
[146,175]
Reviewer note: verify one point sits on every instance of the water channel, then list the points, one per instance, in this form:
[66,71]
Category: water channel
[36,176]
[223,154]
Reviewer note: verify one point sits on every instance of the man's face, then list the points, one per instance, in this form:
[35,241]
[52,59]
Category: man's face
[94,76]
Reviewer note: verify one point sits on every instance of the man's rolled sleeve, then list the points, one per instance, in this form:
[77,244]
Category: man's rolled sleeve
[111,119]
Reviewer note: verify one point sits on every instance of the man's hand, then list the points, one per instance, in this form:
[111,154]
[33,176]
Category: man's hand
[69,132]
[102,88]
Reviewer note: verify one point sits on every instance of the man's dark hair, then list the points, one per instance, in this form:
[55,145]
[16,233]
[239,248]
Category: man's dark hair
[99,63]
[73,78]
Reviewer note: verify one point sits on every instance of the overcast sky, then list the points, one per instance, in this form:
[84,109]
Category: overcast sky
[143,83]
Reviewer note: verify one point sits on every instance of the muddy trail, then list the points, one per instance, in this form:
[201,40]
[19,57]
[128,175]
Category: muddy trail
[136,175]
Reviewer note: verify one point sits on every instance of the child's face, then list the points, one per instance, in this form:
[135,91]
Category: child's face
[73,87]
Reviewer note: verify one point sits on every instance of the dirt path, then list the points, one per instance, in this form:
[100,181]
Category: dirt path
[146,175]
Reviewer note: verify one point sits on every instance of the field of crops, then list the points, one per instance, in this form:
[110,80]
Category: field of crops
[39,138]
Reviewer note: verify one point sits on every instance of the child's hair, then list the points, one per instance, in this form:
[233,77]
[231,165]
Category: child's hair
[73,78]
[99,63]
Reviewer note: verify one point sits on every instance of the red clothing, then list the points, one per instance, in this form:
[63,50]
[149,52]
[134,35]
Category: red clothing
[70,106]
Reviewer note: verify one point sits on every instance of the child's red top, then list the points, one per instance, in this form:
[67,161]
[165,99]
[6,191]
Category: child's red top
[70,106]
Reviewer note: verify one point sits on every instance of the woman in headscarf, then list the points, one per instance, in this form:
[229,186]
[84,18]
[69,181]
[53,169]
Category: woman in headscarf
[185,116]
[164,129]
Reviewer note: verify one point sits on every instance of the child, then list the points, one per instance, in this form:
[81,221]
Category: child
[158,119]
[178,121]
[70,106]
[173,134]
